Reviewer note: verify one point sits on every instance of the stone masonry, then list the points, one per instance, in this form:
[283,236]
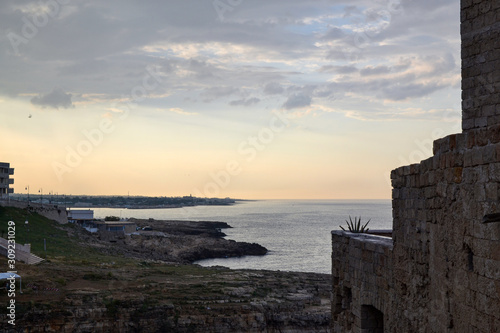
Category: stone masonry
[440,272]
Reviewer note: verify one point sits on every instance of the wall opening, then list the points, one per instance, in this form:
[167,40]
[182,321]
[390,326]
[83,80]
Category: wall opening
[372,319]
[470,258]
[347,299]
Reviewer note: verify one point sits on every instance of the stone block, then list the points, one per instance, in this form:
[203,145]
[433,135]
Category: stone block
[442,161]
[482,135]
[481,122]
[492,191]
[483,173]
[489,154]
[490,18]
[470,139]
[464,4]
[495,254]
[494,132]
[457,175]
[477,157]
[468,158]
[492,269]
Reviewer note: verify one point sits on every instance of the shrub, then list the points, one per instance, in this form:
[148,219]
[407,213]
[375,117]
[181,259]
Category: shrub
[355,226]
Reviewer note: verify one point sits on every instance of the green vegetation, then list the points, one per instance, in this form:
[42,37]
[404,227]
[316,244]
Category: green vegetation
[36,231]
[111,218]
[60,240]
[355,226]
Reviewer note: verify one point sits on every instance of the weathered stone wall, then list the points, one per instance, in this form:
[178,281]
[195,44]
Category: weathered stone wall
[361,275]
[444,268]
[480,26]
[446,261]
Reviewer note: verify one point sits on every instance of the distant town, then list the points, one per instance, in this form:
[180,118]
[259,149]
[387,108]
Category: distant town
[117,201]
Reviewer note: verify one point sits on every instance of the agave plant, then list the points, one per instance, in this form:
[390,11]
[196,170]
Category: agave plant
[355,226]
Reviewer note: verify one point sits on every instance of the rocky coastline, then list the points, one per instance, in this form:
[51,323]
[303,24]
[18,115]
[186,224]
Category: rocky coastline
[145,282]
[176,242]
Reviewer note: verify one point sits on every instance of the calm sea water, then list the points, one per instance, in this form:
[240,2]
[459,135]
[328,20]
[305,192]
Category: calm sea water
[296,232]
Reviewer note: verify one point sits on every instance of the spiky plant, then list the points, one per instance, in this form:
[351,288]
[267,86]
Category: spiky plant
[355,226]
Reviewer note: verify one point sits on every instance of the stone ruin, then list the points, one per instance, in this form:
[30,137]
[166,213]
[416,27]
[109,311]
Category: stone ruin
[440,270]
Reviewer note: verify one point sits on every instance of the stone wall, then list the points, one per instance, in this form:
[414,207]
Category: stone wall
[361,275]
[50,211]
[443,272]
[480,26]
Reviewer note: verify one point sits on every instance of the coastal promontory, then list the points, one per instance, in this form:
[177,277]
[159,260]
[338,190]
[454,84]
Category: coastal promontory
[145,283]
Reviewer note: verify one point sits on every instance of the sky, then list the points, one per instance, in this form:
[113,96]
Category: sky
[250,99]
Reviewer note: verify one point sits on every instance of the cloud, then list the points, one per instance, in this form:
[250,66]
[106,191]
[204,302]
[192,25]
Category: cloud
[213,93]
[273,88]
[104,49]
[338,69]
[333,33]
[245,102]
[411,90]
[370,70]
[351,11]
[182,112]
[56,99]
[296,101]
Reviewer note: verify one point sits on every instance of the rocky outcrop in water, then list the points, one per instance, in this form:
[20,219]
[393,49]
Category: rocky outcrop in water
[176,241]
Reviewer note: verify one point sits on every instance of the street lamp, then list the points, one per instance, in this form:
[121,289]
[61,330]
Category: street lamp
[41,196]
[28,231]
[28,188]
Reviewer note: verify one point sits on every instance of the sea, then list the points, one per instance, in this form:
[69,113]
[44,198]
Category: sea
[297,233]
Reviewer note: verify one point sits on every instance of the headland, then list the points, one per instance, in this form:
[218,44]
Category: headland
[145,282]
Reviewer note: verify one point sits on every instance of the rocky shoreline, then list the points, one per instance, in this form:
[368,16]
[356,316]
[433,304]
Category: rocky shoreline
[144,282]
[177,242]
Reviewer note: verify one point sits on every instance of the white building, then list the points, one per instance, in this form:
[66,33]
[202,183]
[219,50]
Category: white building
[5,172]
[83,217]
[80,215]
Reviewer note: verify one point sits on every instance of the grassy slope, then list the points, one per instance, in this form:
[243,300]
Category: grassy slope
[61,244]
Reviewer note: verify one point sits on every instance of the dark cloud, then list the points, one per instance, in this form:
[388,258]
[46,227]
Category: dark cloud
[338,69]
[297,101]
[273,88]
[350,11]
[333,33]
[245,102]
[411,90]
[377,70]
[56,99]
[213,93]
[201,69]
